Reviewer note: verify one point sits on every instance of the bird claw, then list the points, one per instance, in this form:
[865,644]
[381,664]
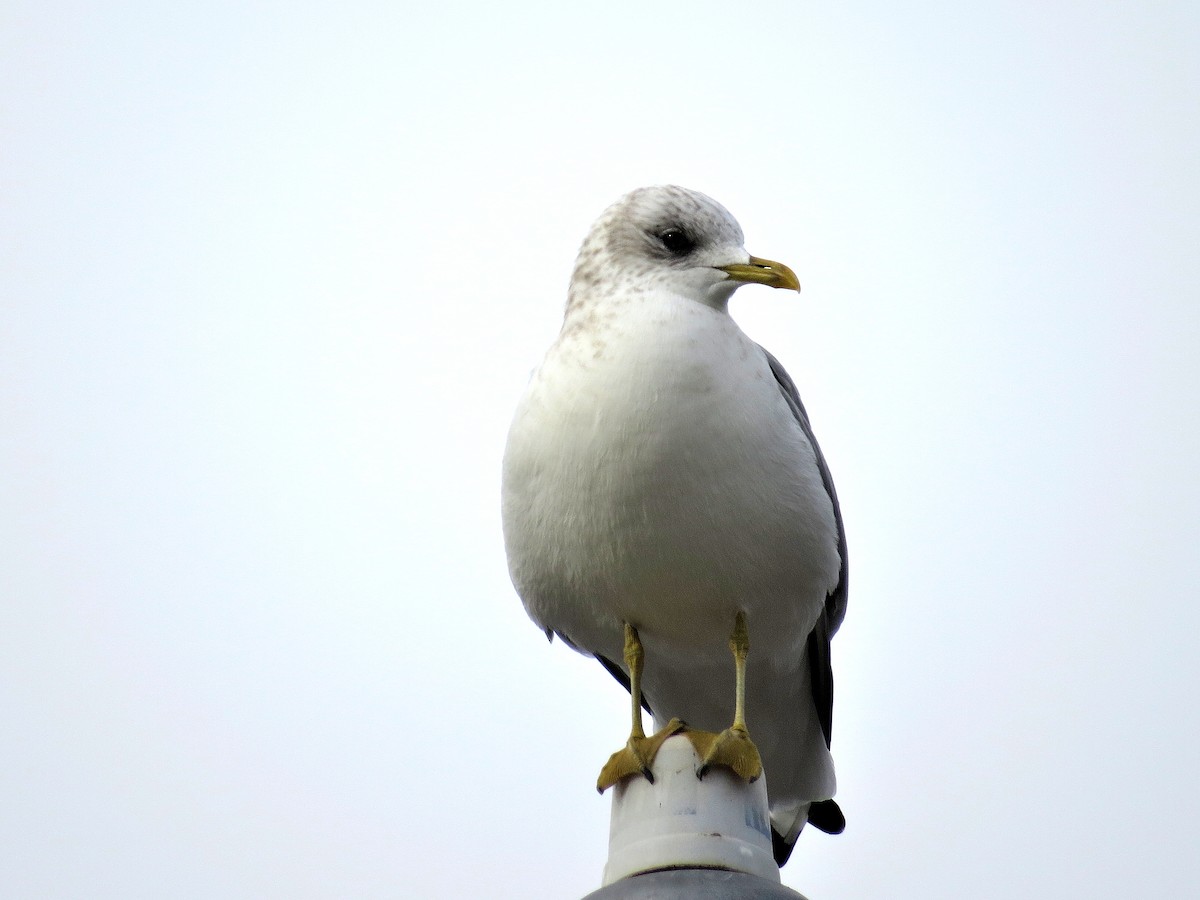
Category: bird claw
[636,757]
[731,748]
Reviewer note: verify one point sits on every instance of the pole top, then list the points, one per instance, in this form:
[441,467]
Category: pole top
[686,837]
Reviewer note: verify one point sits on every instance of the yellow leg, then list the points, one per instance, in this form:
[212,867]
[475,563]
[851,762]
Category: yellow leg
[732,747]
[639,751]
[635,657]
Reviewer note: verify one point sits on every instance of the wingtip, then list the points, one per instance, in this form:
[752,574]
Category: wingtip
[781,849]
[826,816]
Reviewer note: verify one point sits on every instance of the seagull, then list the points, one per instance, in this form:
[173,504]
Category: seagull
[666,507]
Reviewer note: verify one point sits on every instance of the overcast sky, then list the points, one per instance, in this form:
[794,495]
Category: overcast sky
[273,276]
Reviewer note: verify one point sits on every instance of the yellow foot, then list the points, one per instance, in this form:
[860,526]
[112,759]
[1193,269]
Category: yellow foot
[731,748]
[637,756]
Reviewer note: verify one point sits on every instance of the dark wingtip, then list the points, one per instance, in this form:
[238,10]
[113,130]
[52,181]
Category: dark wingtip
[780,848]
[824,815]
[827,816]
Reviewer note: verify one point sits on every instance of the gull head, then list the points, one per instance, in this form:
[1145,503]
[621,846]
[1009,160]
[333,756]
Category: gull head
[669,238]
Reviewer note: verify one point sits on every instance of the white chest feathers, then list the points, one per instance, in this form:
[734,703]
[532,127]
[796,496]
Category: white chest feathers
[656,474]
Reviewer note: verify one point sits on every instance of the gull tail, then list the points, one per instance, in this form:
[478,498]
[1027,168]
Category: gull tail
[824,815]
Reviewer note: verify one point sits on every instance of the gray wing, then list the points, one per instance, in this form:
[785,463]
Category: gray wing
[823,814]
[821,668]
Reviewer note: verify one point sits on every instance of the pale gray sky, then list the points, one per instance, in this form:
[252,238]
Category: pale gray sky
[273,278]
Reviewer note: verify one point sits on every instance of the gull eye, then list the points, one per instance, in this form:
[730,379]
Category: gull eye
[676,240]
